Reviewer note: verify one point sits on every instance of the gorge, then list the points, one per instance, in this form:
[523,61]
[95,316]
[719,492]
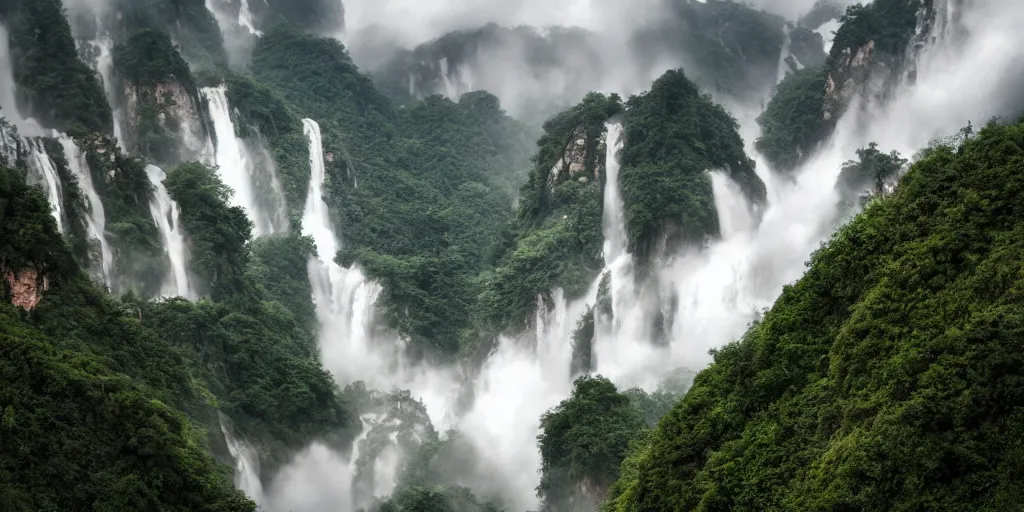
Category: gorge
[470,256]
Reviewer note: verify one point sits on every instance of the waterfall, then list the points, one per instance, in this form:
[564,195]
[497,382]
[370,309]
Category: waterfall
[352,349]
[45,173]
[614,216]
[247,464]
[167,218]
[95,221]
[8,101]
[316,220]
[783,68]
[237,168]
[344,297]
[245,18]
[708,295]
[734,214]
[105,66]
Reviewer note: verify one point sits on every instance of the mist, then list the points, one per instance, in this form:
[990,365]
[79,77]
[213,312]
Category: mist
[712,295]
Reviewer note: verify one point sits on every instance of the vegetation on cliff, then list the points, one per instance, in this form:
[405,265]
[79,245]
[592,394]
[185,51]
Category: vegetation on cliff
[885,378]
[674,133]
[53,85]
[109,430]
[793,124]
[255,338]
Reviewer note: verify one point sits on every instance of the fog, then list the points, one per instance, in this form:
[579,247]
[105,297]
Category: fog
[717,291]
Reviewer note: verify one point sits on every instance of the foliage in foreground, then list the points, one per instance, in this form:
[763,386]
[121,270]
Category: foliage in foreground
[887,378]
[88,396]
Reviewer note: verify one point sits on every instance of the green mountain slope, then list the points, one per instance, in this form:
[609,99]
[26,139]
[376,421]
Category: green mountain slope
[90,400]
[889,378]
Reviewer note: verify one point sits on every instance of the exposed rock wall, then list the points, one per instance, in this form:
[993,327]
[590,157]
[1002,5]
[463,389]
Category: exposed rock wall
[26,287]
[179,115]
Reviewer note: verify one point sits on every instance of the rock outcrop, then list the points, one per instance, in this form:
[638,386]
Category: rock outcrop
[579,151]
[179,114]
[26,287]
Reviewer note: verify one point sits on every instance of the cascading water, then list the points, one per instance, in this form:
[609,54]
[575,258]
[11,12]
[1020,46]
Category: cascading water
[247,464]
[166,216]
[352,349]
[8,101]
[103,46]
[719,290]
[95,221]
[715,291]
[245,18]
[45,173]
[237,168]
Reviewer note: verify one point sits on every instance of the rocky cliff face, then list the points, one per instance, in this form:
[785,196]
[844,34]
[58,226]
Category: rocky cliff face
[582,159]
[877,48]
[172,111]
[26,287]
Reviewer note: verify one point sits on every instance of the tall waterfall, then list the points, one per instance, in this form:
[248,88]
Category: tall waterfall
[710,295]
[344,297]
[103,46]
[44,173]
[167,218]
[247,464]
[707,295]
[351,349]
[96,220]
[240,169]
[8,103]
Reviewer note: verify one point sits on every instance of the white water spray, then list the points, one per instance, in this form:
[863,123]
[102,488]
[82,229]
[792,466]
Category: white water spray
[237,168]
[8,101]
[247,464]
[44,173]
[719,290]
[167,218]
[96,220]
[709,295]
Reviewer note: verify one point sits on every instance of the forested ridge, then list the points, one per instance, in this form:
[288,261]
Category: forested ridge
[885,378]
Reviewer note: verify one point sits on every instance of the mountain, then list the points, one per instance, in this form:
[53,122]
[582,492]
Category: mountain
[248,265]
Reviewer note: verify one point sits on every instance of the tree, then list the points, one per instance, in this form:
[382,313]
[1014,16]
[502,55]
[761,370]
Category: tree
[582,442]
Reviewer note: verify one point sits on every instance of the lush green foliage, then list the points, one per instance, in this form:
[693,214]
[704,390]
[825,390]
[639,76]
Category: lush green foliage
[218,233]
[886,379]
[674,133]
[30,239]
[149,58]
[793,124]
[262,113]
[53,85]
[872,170]
[88,394]
[122,184]
[558,233]
[192,25]
[421,195]
[256,339]
[436,499]
[582,442]
[889,23]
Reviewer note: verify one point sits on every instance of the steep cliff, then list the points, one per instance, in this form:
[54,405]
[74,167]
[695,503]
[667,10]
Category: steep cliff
[884,378]
[164,114]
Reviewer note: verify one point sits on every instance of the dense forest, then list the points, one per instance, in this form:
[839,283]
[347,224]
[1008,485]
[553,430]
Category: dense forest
[500,258]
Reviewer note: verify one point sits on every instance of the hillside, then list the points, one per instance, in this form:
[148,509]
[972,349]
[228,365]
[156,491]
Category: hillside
[397,256]
[884,379]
